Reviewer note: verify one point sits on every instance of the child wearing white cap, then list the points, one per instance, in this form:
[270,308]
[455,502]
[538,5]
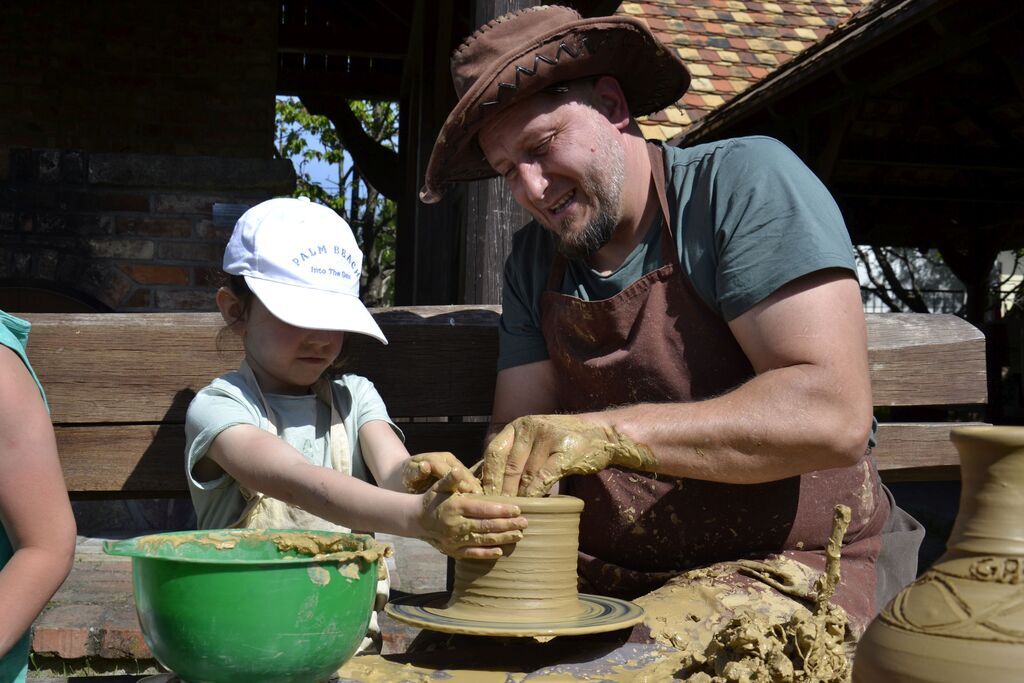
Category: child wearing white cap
[283,442]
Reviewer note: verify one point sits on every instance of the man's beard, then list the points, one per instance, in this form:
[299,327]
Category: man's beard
[587,241]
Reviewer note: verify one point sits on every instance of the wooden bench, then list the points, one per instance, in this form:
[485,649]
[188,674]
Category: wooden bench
[119,386]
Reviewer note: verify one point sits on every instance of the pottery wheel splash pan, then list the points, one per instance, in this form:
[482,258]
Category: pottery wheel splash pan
[600,614]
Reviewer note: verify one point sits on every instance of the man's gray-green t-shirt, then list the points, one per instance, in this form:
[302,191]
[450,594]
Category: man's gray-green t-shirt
[747,216]
[304,422]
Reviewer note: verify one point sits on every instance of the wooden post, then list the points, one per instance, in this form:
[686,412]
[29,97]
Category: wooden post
[491,214]
[427,251]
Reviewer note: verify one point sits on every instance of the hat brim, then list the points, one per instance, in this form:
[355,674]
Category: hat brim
[315,309]
[652,77]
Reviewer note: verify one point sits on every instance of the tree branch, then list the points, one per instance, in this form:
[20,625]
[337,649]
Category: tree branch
[377,163]
[878,288]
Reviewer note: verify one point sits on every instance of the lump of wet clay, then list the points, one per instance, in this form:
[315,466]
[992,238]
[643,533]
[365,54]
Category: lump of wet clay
[809,648]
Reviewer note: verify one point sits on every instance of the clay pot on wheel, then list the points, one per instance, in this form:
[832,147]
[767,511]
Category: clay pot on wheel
[529,591]
[963,619]
[536,582]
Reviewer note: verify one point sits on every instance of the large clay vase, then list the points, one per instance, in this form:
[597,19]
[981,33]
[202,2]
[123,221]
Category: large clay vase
[963,619]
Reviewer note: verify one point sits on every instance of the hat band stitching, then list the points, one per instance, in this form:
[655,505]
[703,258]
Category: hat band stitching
[537,58]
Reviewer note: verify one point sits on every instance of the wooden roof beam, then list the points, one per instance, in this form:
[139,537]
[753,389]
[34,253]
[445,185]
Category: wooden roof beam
[348,39]
[816,69]
[354,86]
[931,195]
[971,160]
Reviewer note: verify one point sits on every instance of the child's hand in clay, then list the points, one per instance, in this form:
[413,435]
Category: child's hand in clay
[421,471]
[533,452]
[465,527]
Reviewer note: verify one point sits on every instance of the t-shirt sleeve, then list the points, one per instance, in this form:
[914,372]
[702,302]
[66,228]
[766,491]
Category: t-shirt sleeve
[367,404]
[520,340]
[214,409]
[774,222]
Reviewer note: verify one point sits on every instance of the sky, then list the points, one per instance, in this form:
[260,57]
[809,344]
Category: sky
[322,173]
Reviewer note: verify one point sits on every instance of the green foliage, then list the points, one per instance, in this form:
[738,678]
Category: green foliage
[310,139]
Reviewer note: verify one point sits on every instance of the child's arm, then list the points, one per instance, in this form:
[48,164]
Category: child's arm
[34,506]
[263,462]
[393,469]
[384,453]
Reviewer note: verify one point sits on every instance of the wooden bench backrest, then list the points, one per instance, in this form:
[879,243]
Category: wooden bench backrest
[119,386]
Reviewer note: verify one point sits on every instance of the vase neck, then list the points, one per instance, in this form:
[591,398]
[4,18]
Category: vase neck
[991,516]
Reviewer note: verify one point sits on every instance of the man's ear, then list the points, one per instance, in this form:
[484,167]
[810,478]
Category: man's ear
[231,309]
[611,101]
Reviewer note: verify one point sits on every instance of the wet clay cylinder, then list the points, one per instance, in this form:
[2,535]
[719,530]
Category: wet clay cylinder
[963,619]
[535,582]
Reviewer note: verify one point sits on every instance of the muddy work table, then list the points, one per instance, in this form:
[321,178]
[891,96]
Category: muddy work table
[482,660]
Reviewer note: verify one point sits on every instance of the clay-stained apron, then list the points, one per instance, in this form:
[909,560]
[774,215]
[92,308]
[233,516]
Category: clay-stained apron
[657,341]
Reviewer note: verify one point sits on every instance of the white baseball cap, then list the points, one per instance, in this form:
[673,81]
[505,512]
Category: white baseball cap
[301,259]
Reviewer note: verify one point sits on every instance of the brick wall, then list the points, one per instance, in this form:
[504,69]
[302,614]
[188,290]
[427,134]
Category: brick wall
[123,126]
[158,77]
[135,232]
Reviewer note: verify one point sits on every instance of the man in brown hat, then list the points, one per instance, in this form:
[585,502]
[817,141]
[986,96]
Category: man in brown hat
[682,339]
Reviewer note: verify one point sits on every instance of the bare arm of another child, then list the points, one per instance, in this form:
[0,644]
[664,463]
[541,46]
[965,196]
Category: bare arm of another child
[458,526]
[34,506]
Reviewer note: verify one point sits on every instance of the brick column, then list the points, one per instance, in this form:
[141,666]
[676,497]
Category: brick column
[134,232]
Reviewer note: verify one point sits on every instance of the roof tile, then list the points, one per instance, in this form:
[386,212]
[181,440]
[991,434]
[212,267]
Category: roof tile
[730,45]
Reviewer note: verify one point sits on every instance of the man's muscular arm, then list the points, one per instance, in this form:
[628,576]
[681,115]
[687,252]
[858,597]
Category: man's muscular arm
[808,407]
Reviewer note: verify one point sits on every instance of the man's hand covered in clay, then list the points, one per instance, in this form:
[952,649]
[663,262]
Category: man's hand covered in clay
[466,528]
[421,471]
[533,452]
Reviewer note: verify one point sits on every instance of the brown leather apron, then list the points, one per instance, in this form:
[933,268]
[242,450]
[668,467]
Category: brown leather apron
[657,341]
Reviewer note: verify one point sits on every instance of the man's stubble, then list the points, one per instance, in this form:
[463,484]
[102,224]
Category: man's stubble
[603,183]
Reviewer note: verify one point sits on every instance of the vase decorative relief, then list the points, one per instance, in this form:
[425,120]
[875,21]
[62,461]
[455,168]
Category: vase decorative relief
[963,619]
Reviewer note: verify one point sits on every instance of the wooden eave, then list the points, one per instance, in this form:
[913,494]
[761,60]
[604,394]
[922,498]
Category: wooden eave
[359,50]
[912,113]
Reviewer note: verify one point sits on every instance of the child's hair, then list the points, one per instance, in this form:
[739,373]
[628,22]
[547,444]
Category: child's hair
[238,287]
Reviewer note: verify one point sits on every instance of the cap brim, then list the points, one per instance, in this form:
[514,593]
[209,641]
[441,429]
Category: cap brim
[315,309]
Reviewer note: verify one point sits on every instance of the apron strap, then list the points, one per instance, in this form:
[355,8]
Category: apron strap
[658,178]
[340,457]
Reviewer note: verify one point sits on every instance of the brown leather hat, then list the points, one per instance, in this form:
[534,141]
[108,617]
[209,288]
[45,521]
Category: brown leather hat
[521,53]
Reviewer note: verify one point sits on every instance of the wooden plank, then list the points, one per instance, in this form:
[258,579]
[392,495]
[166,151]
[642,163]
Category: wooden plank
[125,367]
[439,361]
[145,460]
[925,359]
[149,460]
[465,440]
[913,451]
[141,368]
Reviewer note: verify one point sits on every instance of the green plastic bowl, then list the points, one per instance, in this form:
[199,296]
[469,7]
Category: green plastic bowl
[232,605]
